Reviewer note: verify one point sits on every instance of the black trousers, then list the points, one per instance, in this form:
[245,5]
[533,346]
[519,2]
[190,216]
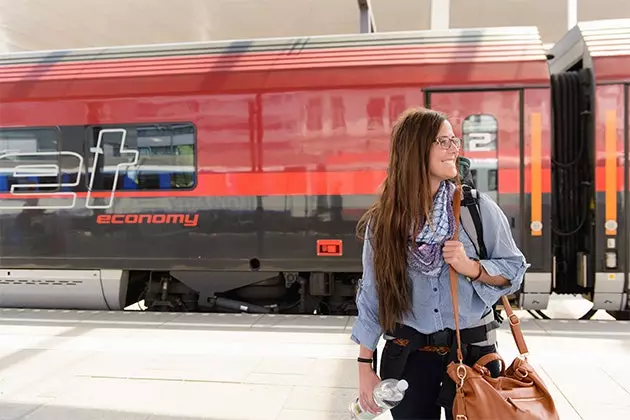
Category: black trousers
[425,371]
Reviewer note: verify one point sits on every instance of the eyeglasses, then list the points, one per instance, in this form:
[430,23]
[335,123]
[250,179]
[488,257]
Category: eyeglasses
[445,142]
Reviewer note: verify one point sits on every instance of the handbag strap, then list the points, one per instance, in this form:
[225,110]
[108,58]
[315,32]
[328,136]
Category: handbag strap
[515,326]
[515,323]
[457,203]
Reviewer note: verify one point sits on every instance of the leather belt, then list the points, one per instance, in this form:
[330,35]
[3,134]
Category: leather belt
[404,336]
[441,350]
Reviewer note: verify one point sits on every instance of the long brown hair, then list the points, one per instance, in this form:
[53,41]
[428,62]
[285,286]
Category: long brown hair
[405,202]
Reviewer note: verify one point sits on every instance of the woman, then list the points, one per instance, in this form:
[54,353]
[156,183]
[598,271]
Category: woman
[404,291]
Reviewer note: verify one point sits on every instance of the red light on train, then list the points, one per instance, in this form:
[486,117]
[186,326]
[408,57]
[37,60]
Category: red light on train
[329,248]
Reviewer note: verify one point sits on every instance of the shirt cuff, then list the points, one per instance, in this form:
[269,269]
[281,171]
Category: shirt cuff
[489,293]
[368,337]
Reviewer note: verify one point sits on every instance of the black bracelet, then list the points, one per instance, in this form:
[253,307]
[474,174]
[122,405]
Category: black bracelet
[363,360]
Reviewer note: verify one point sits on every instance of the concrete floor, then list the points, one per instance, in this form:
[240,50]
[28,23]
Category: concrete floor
[84,365]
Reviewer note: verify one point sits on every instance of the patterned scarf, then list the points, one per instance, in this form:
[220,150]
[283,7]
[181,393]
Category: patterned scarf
[426,250]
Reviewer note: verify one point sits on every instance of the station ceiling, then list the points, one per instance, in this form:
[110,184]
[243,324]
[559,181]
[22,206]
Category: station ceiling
[67,24]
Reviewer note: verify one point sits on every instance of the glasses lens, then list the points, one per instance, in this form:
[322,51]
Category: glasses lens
[445,142]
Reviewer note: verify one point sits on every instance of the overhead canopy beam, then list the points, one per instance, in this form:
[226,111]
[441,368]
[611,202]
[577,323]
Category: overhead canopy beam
[366,18]
[440,14]
[571,14]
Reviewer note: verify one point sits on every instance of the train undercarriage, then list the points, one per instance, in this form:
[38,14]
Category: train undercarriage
[197,291]
[181,291]
[284,293]
[279,293]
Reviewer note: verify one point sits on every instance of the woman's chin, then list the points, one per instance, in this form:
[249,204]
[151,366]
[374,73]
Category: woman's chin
[449,175]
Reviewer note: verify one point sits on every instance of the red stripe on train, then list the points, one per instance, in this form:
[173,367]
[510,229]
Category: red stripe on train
[319,183]
[293,183]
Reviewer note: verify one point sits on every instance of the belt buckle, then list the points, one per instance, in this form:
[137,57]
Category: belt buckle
[442,353]
[440,338]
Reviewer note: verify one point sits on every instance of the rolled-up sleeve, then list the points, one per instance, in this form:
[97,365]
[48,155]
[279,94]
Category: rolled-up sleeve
[367,330]
[504,257]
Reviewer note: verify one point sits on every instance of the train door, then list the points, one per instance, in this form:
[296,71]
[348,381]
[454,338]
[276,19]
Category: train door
[505,134]
[626,133]
[625,314]
[610,190]
[488,123]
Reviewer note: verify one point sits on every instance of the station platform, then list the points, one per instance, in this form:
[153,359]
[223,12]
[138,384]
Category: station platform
[83,365]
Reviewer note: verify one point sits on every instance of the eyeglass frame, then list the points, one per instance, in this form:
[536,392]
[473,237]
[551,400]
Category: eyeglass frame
[455,141]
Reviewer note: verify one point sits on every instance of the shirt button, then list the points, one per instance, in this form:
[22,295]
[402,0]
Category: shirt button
[435,310]
[435,289]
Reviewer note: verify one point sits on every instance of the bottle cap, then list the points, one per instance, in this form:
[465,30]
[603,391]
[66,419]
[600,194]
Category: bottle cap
[402,385]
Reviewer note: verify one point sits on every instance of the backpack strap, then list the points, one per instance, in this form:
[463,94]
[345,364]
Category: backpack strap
[470,217]
[471,220]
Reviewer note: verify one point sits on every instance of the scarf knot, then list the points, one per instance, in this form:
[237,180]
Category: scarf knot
[426,248]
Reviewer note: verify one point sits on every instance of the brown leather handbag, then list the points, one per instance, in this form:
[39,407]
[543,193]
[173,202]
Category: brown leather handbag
[518,393]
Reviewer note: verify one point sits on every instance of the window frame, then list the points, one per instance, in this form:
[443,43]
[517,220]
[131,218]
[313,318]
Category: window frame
[59,139]
[90,142]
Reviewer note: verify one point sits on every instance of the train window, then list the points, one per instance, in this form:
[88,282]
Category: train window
[492,180]
[338,112]
[153,157]
[479,135]
[30,158]
[314,115]
[375,112]
[473,175]
[397,106]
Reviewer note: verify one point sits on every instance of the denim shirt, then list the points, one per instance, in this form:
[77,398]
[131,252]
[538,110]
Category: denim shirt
[432,308]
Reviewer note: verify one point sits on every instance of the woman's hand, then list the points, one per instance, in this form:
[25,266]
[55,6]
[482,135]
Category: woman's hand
[455,255]
[367,382]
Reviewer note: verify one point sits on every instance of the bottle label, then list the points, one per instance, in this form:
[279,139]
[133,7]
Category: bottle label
[359,414]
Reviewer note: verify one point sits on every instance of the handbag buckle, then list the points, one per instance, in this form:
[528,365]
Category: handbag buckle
[461,374]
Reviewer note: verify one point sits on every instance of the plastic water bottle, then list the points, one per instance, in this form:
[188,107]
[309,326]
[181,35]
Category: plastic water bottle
[387,395]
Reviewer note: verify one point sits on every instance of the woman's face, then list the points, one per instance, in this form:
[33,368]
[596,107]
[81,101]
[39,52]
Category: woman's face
[442,159]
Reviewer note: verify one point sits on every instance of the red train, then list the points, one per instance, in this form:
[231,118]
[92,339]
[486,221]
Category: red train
[229,176]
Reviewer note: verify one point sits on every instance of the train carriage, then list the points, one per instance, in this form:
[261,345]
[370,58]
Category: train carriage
[193,170]
[230,175]
[591,64]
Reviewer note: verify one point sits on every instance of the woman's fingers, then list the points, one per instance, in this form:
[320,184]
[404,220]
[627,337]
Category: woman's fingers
[367,401]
